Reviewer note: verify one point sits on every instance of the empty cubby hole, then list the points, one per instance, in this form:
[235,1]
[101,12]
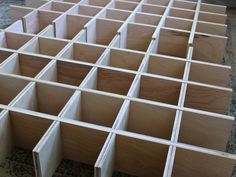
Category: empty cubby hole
[182,13]
[165,66]
[45,46]
[212,8]
[161,90]
[209,74]
[37,20]
[177,23]
[16,27]
[93,108]
[159,2]
[25,65]
[158,120]
[69,142]
[136,37]
[66,73]
[215,130]
[13,40]
[4,55]
[83,52]
[56,6]
[102,31]
[148,19]
[185,5]
[20,131]
[172,42]
[101,3]
[82,9]
[196,163]
[115,14]
[123,59]
[206,98]
[68,26]
[35,98]
[10,87]
[110,81]
[211,17]
[158,10]
[211,28]
[123,154]
[130,6]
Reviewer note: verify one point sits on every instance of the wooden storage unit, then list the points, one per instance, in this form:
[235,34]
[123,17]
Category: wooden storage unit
[130,86]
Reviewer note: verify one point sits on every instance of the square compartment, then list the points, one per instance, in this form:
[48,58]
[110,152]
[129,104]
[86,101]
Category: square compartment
[185,5]
[102,31]
[136,37]
[177,23]
[35,98]
[166,66]
[122,5]
[84,10]
[68,26]
[123,59]
[115,14]
[25,65]
[36,21]
[173,43]
[182,13]
[9,88]
[147,19]
[213,18]
[101,3]
[153,9]
[66,73]
[159,2]
[161,90]
[93,108]
[4,55]
[83,52]
[110,81]
[45,46]
[12,40]
[56,6]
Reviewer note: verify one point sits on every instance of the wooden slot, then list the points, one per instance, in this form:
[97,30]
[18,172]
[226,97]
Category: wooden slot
[156,89]
[110,81]
[83,52]
[211,28]
[36,21]
[209,74]
[102,31]
[212,8]
[159,2]
[158,10]
[10,87]
[158,121]
[191,163]
[4,55]
[16,27]
[176,23]
[12,40]
[185,4]
[25,65]
[162,65]
[56,6]
[34,98]
[15,127]
[66,73]
[209,48]
[181,13]
[115,14]
[123,59]
[215,131]
[173,43]
[208,99]
[93,108]
[136,37]
[123,5]
[67,26]
[45,46]
[147,19]
[211,17]
[48,32]
[134,157]
[84,10]
[101,3]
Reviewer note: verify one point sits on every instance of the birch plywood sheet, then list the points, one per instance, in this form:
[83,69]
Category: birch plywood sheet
[135,86]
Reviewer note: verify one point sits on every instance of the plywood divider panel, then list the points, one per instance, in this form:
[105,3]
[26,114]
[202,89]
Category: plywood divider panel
[17,12]
[17,26]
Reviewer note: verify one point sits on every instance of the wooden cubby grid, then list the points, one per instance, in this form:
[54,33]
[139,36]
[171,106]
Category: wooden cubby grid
[134,86]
